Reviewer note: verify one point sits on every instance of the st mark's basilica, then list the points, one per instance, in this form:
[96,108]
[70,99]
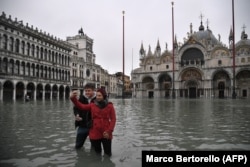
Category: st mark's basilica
[203,68]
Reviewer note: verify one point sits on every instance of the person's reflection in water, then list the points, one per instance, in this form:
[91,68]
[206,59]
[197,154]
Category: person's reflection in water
[91,159]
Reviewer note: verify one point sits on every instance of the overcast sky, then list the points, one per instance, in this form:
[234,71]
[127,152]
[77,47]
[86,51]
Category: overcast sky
[146,21]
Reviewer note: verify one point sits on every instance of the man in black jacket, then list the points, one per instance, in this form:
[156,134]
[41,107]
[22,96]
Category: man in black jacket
[83,119]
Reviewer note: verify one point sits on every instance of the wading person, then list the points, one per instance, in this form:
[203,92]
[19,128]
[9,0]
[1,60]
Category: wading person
[104,119]
[83,118]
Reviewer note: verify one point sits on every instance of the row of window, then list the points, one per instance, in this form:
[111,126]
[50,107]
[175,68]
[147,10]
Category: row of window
[25,48]
[33,70]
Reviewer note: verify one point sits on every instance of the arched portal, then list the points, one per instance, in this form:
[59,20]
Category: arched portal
[31,90]
[19,90]
[148,86]
[192,86]
[221,87]
[165,84]
[243,83]
[39,91]
[54,91]
[61,92]
[8,88]
[191,83]
[67,91]
[221,84]
[47,91]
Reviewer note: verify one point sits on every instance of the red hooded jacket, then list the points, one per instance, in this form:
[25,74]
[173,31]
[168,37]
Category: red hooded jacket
[103,119]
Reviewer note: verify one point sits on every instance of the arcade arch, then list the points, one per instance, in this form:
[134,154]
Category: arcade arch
[191,83]
[221,84]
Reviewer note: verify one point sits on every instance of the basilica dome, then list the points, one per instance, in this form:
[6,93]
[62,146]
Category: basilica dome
[205,35]
[244,41]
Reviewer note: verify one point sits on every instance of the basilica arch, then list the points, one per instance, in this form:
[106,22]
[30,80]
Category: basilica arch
[243,83]
[191,85]
[165,84]
[221,84]
[148,86]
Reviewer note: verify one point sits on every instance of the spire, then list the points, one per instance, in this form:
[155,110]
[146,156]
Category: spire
[230,38]
[243,34]
[201,28]
[149,51]
[191,28]
[175,42]
[207,23]
[158,49]
[158,45]
[142,51]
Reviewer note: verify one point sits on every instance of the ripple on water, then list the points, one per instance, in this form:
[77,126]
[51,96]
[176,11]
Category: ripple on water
[148,124]
[225,146]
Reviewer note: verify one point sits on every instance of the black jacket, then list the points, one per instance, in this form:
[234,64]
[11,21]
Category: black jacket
[85,115]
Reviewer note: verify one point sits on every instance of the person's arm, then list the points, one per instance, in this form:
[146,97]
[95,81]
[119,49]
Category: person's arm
[77,103]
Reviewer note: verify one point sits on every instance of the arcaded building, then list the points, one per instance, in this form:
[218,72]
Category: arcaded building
[33,63]
[203,67]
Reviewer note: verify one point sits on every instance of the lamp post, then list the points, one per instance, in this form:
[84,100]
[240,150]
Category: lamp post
[234,93]
[123,12]
[173,91]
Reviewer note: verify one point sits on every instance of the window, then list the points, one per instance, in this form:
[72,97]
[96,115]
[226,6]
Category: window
[28,49]
[219,62]
[167,66]
[151,68]
[37,52]
[41,53]
[46,54]
[17,45]
[23,47]
[11,44]
[33,50]
[5,39]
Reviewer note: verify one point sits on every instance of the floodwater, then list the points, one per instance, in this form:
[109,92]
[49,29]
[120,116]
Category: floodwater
[42,133]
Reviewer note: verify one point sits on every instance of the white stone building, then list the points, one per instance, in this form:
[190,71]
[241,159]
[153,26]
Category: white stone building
[203,67]
[84,69]
[36,64]
[33,63]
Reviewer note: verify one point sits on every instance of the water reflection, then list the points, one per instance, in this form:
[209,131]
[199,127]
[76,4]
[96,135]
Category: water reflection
[42,133]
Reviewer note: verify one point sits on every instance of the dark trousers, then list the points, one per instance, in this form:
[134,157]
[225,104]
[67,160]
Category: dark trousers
[82,134]
[106,144]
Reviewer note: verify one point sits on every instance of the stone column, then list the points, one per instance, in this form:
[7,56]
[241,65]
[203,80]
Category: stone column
[35,94]
[57,95]
[43,94]
[51,93]
[24,93]
[14,93]
[1,92]
[64,94]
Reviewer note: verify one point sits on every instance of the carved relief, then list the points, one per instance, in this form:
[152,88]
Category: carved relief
[191,75]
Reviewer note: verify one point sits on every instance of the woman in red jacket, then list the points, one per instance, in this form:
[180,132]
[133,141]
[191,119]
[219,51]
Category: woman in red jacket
[104,119]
